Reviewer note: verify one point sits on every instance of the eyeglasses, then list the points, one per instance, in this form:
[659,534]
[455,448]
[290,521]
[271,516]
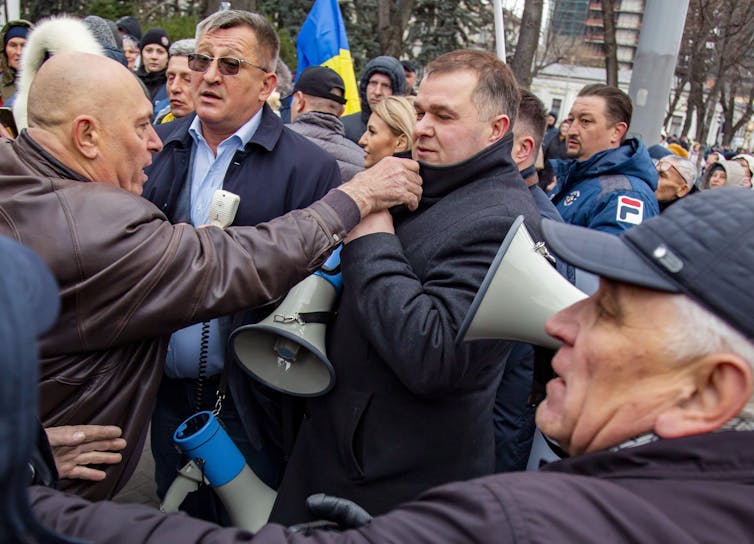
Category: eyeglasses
[228,66]
[664,166]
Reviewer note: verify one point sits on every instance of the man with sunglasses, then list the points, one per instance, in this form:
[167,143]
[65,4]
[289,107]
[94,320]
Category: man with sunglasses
[676,179]
[236,143]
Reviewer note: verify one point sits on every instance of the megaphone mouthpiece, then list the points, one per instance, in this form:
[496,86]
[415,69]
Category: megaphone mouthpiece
[286,350]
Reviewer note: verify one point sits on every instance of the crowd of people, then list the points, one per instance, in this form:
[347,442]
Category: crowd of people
[108,192]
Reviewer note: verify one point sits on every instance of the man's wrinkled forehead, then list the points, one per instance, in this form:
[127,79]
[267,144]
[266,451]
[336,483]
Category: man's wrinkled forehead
[588,105]
[433,97]
[178,64]
[380,78]
[240,40]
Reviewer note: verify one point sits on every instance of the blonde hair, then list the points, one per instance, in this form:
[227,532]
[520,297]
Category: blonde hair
[399,115]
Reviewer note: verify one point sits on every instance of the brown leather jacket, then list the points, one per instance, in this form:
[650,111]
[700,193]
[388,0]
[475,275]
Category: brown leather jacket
[128,278]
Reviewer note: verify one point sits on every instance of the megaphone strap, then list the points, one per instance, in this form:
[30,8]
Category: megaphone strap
[305,317]
[316,317]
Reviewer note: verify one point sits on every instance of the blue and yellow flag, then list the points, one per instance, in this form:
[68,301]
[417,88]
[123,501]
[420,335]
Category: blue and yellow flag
[322,41]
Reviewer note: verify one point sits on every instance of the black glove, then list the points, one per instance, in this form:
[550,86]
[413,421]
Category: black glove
[347,514]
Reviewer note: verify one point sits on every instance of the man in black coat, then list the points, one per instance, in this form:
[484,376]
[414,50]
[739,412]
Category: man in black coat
[410,409]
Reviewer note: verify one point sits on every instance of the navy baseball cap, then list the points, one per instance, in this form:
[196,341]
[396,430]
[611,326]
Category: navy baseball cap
[702,246]
[320,81]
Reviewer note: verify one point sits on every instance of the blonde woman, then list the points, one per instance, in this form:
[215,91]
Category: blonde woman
[389,129]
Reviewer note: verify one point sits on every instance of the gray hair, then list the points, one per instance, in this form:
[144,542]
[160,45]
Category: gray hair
[268,44]
[182,48]
[701,332]
[129,40]
[285,78]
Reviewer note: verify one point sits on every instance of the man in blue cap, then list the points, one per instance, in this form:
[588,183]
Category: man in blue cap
[317,103]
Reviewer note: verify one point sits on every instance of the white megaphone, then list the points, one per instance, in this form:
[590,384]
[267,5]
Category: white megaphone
[216,460]
[519,293]
[286,350]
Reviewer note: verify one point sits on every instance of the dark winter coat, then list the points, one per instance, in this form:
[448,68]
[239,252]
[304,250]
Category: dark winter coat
[410,408]
[155,82]
[696,489]
[278,171]
[555,148]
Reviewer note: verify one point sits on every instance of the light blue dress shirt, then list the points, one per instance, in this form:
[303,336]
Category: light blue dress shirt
[207,172]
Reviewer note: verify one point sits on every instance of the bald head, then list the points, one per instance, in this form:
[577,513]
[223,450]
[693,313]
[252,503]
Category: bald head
[71,84]
[92,115]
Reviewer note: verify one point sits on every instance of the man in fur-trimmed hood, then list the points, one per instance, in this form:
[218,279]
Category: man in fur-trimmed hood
[13,36]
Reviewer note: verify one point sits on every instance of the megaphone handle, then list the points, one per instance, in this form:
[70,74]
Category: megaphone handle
[187,481]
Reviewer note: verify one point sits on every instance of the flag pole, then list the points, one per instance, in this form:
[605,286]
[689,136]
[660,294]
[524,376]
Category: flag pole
[497,5]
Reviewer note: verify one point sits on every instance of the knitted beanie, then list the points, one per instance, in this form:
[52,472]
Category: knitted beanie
[156,36]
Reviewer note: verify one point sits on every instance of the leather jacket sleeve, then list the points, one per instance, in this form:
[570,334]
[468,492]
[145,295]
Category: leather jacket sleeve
[146,277]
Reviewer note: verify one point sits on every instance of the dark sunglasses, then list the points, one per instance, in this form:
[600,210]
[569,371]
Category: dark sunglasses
[228,66]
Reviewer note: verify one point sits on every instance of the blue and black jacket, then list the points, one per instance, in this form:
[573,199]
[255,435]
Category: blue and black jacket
[611,191]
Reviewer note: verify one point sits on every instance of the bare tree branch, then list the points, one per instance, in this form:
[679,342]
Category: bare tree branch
[528,38]
[610,44]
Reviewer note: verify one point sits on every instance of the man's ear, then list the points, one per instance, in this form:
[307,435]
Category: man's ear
[299,102]
[86,136]
[682,190]
[721,388]
[500,126]
[523,150]
[619,132]
[270,82]
[341,111]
